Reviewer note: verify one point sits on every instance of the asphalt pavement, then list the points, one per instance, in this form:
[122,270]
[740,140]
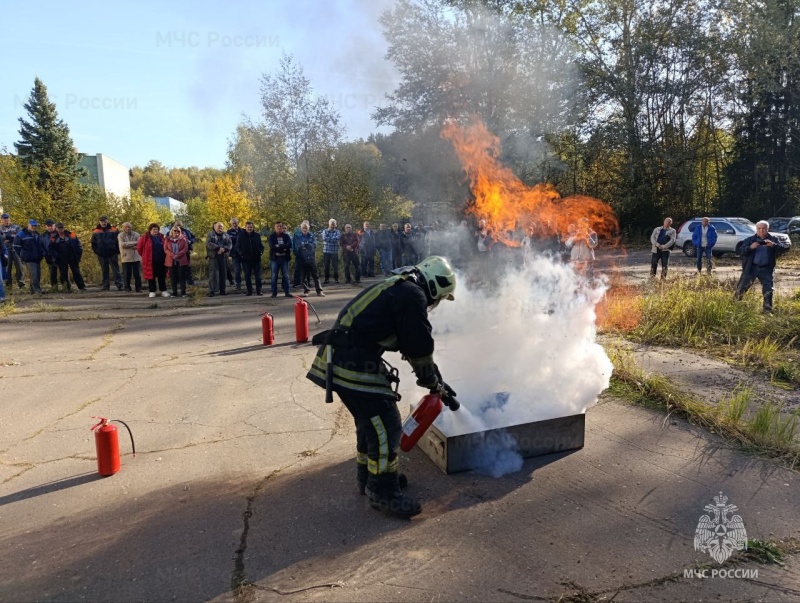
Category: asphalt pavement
[243,487]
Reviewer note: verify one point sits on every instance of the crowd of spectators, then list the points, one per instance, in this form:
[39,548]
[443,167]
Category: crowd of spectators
[234,256]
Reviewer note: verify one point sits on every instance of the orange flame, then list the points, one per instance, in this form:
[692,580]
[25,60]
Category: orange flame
[507,204]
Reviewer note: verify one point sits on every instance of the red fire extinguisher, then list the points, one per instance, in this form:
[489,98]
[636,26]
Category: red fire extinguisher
[301,320]
[267,330]
[419,420]
[106,440]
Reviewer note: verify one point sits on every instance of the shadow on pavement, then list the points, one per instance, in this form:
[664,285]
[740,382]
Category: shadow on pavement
[182,542]
[54,486]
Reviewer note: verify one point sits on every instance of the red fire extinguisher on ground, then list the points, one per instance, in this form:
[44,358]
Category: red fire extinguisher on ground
[422,417]
[301,320]
[106,440]
[267,328]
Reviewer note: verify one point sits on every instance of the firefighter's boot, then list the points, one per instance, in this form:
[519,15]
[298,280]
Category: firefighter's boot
[385,495]
[363,474]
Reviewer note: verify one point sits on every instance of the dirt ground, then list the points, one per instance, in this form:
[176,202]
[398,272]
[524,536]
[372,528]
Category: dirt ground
[242,488]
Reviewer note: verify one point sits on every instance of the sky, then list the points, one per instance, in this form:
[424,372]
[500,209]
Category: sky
[170,80]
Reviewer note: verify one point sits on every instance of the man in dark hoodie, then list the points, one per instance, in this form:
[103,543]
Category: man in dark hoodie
[49,231]
[106,247]
[250,247]
[65,250]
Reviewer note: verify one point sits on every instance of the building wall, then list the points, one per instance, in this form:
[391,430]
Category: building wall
[113,176]
[174,205]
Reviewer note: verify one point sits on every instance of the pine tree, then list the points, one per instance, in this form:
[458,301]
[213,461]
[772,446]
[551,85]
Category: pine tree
[46,147]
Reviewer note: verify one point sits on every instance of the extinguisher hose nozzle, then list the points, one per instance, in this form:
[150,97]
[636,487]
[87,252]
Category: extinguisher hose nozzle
[319,321]
[130,433]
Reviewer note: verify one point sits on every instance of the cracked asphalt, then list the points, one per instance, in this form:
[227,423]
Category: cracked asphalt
[243,488]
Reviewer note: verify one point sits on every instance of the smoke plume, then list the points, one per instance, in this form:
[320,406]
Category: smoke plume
[520,350]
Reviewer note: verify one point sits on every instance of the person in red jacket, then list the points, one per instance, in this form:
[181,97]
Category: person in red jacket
[176,250]
[151,247]
[349,243]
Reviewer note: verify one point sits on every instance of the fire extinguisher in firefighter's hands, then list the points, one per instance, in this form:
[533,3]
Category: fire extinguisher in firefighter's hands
[106,440]
[423,416]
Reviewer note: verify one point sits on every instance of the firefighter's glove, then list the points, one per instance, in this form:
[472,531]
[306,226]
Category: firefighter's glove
[427,373]
[448,396]
[428,382]
[447,391]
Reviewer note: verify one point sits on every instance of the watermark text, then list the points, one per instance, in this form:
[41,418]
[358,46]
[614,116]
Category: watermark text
[212,39]
[738,573]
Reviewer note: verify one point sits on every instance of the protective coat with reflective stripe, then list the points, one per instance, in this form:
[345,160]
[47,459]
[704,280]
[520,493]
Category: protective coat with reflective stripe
[391,315]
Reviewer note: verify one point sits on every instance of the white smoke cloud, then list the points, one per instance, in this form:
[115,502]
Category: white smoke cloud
[523,350]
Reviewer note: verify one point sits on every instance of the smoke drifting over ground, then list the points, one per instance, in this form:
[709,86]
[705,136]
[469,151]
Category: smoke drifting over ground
[519,351]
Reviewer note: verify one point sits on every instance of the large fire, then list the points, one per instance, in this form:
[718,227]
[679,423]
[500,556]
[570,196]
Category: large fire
[507,204]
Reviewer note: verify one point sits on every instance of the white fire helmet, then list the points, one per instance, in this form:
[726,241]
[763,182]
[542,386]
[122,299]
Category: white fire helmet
[440,280]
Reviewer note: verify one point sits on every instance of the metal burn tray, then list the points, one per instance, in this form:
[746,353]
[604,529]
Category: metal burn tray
[453,454]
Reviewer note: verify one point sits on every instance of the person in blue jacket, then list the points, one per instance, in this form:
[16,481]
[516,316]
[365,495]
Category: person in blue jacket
[704,237]
[4,264]
[29,245]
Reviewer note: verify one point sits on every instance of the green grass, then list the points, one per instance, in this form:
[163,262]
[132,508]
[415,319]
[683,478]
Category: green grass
[697,313]
[766,431]
[773,552]
[702,314]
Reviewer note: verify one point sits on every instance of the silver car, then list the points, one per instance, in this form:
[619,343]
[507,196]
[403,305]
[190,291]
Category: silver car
[730,234]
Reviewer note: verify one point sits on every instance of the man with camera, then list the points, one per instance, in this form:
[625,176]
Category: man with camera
[759,252]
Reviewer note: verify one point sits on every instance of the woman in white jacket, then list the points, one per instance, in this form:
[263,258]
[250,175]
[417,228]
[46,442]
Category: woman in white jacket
[581,242]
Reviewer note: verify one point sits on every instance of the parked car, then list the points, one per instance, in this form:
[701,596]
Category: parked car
[730,234]
[790,226]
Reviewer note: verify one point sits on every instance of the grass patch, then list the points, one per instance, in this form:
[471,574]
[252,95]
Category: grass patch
[701,313]
[769,552]
[40,306]
[791,259]
[766,431]
[8,308]
[195,296]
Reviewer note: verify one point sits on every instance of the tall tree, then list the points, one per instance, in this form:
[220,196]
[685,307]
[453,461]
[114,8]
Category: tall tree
[764,177]
[510,66]
[259,159]
[656,72]
[226,200]
[290,109]
[510,63]
[45,145]
[351,186]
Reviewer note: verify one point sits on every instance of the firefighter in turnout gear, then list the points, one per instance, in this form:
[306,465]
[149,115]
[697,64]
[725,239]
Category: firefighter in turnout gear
[391,315]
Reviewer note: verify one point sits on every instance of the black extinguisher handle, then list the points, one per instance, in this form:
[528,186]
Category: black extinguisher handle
[130,433]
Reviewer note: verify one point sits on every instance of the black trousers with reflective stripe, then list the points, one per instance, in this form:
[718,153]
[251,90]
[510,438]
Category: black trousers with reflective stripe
[378,427]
